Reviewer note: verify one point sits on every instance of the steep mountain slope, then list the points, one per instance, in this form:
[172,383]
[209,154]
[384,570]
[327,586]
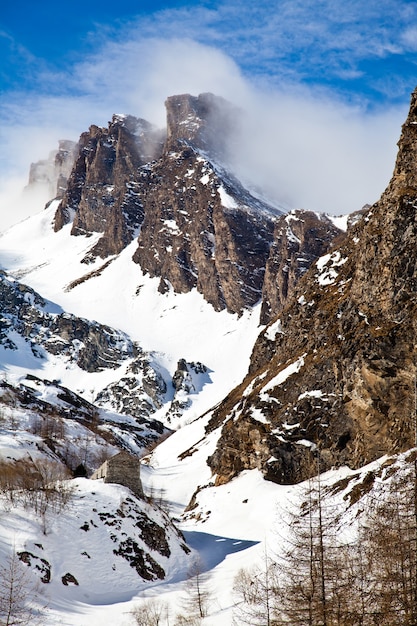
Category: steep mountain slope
[199,231]
[72,535]
[202,228]
[158,332]
[38,337]
[102,543]
[335,374]
[103,191]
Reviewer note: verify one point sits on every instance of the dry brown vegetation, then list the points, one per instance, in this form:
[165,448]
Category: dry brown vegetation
[38,486]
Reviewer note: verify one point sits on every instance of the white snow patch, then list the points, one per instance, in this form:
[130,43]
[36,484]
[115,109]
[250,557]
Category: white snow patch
[253,384]
[257,415]
[273,330]
[327,265]
[291,217]
[205,179]
[306,443]
[280,378]
[292,237]
[227,201]
[340,221]
[172,226]
[314,393]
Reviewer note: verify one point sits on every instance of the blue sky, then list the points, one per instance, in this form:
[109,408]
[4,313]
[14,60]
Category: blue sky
[326,83]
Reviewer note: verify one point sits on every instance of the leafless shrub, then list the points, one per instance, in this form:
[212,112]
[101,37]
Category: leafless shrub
[151,613]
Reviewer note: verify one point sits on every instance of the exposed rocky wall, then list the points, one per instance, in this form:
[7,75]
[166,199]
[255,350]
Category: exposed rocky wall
[334,377]
[199,227]
[300,237]
[104,190]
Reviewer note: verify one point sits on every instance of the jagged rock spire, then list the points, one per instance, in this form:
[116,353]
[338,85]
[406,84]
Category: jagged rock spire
[207,122]
[404,178]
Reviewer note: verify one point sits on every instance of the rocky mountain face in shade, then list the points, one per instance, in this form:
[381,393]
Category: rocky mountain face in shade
[199,227]
[332,380]
[300,237]
[207,122]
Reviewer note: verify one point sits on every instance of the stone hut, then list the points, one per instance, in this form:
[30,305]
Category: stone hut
[123,469]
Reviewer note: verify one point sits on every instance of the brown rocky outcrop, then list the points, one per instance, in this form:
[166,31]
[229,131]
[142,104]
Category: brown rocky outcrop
[104,191]
[207,122]
[201,228]
[333,378]
[300,237]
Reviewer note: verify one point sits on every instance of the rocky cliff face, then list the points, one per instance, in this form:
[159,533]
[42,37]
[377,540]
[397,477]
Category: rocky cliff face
[201,228]
[104,190]
[25,314]
[207,122]
[202,231]
[300,237]
[334,377]
[32,326]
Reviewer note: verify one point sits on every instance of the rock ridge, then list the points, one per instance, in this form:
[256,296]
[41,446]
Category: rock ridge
[197,226]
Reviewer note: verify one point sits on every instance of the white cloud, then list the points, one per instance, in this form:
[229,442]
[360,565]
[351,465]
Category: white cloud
[409,38]
[138,75]
[16,204]
[317,153]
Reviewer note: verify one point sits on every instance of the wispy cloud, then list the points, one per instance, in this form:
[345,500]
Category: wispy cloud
[316,42]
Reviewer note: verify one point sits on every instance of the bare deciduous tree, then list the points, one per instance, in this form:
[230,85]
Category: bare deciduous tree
[18,595]
[197,598]
[41,486]
[256,595]
[390,540]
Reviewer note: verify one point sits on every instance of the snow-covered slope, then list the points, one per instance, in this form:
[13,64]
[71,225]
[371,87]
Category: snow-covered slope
[116,293]
[103,547]
[170,327]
